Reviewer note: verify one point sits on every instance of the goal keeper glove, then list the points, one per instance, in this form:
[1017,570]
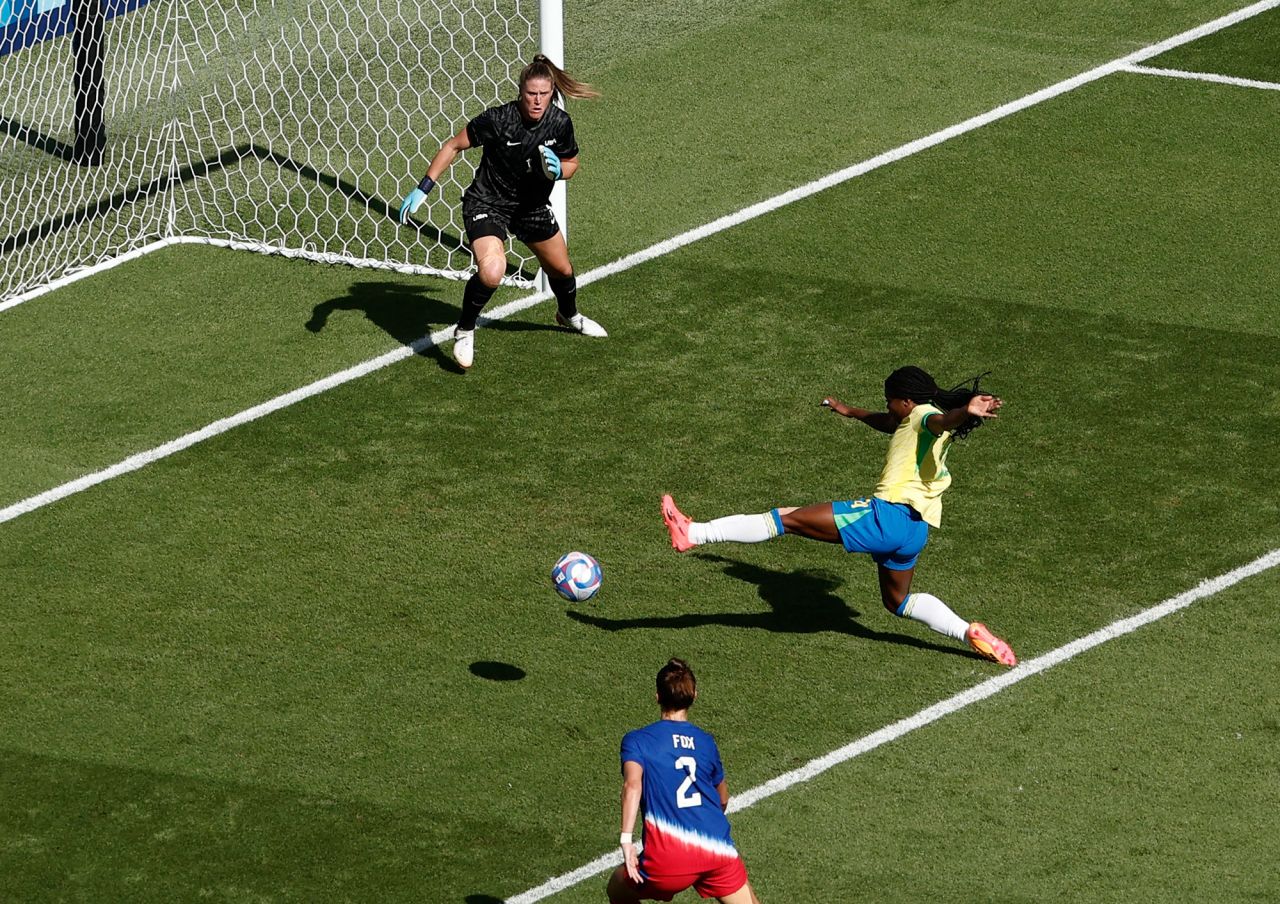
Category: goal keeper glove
[414,199]
[550,163]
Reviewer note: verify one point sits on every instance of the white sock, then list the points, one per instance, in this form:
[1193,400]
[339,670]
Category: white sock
[735,529]
[929,610]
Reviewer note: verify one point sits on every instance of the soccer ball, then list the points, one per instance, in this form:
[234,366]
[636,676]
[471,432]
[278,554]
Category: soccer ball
[576,576]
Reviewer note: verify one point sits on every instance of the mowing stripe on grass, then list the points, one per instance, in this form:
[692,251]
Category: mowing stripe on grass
[1204,77]
[932,714]
[659,249]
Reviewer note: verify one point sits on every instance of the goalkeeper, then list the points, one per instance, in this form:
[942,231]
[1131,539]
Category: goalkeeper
[527,145]
[893,525]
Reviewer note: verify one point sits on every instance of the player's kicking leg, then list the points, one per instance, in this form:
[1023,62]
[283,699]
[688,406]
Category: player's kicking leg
[895,593]
[813,521]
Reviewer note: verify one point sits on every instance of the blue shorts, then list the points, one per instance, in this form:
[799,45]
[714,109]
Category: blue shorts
[893,532]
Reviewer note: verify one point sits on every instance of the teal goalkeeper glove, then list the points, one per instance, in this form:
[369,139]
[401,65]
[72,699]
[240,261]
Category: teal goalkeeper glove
[550,163]
[414,199]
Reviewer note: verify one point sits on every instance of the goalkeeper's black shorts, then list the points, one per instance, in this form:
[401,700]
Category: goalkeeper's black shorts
[528,224]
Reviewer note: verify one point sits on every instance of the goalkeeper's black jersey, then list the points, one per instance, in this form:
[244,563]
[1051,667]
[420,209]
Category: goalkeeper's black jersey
[510,172]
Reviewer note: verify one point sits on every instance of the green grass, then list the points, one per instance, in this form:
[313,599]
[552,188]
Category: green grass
[254,671]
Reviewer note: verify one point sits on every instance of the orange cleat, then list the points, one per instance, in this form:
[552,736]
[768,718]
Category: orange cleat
[988,646]
[677,523]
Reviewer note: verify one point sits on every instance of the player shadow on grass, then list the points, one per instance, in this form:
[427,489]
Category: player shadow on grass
[800,602]
[408,314]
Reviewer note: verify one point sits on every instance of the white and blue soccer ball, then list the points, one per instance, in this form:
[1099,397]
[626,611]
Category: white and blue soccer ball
[576,576]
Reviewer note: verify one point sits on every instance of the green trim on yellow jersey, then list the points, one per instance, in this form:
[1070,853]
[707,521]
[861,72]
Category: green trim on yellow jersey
[915,468]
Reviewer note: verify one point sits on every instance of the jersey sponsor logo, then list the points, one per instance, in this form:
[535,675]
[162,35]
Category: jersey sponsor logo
[512,144]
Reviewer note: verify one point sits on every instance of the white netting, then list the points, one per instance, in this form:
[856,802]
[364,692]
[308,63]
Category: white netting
[290,126]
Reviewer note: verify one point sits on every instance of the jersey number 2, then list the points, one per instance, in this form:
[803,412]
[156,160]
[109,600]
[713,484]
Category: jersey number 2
[684,799]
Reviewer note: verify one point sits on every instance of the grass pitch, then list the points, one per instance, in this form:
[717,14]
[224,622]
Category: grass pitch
[266,668]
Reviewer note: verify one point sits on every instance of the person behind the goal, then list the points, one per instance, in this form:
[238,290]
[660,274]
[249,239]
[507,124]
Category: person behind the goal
[527,145]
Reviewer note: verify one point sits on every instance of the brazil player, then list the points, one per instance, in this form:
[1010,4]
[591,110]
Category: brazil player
[527,145]
[893,523]
[671,771]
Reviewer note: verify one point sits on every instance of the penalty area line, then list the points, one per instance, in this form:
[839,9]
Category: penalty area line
[142,459]
[931,714]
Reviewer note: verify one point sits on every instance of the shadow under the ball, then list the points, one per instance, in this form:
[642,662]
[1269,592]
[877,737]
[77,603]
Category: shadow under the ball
[496,671]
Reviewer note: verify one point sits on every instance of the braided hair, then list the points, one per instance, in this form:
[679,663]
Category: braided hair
[916,384]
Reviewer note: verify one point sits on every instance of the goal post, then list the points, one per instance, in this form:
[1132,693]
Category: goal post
[551,39]
[88,51]
[288,127]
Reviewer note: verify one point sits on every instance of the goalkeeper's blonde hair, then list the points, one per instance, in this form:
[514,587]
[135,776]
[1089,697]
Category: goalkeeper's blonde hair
[561,81]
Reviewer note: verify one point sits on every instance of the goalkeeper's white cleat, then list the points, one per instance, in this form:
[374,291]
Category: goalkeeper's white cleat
[464,347]
[581,323]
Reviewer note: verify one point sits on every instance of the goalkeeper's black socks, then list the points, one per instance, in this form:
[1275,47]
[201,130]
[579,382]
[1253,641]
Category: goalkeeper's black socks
[566,292]
[474,298]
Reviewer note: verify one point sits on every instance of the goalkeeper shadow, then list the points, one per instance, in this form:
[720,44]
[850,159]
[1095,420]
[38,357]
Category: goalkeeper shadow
[406,313]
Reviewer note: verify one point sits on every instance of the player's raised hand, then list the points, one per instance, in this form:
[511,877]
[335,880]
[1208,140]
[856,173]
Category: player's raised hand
[414,199]
[831,403]
[984,405]
[550,163]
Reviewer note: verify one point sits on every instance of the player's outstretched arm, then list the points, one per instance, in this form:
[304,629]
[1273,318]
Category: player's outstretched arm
[983,406]
[878,420]
[442,160]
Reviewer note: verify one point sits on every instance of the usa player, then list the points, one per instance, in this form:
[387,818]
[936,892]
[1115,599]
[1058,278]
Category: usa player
[527,145]
[671,772]
[893,524]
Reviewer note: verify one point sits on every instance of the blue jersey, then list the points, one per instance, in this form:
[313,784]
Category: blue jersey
[684,827]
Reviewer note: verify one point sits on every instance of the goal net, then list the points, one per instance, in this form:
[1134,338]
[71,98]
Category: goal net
[282,126]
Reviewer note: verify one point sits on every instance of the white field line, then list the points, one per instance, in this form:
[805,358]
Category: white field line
[320,257]
[1204,77]
[84,272]
[932,714]
[142,459]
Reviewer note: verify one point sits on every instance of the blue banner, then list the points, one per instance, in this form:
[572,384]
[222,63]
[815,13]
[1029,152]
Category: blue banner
[27,22]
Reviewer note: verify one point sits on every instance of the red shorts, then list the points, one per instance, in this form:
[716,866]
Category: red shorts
[716,882]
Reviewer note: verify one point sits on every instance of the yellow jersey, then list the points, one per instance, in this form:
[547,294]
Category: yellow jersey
[915,469]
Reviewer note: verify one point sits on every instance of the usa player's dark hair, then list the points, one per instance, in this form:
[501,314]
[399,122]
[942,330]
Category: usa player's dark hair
[561,81]
[676,686]
[916,384]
